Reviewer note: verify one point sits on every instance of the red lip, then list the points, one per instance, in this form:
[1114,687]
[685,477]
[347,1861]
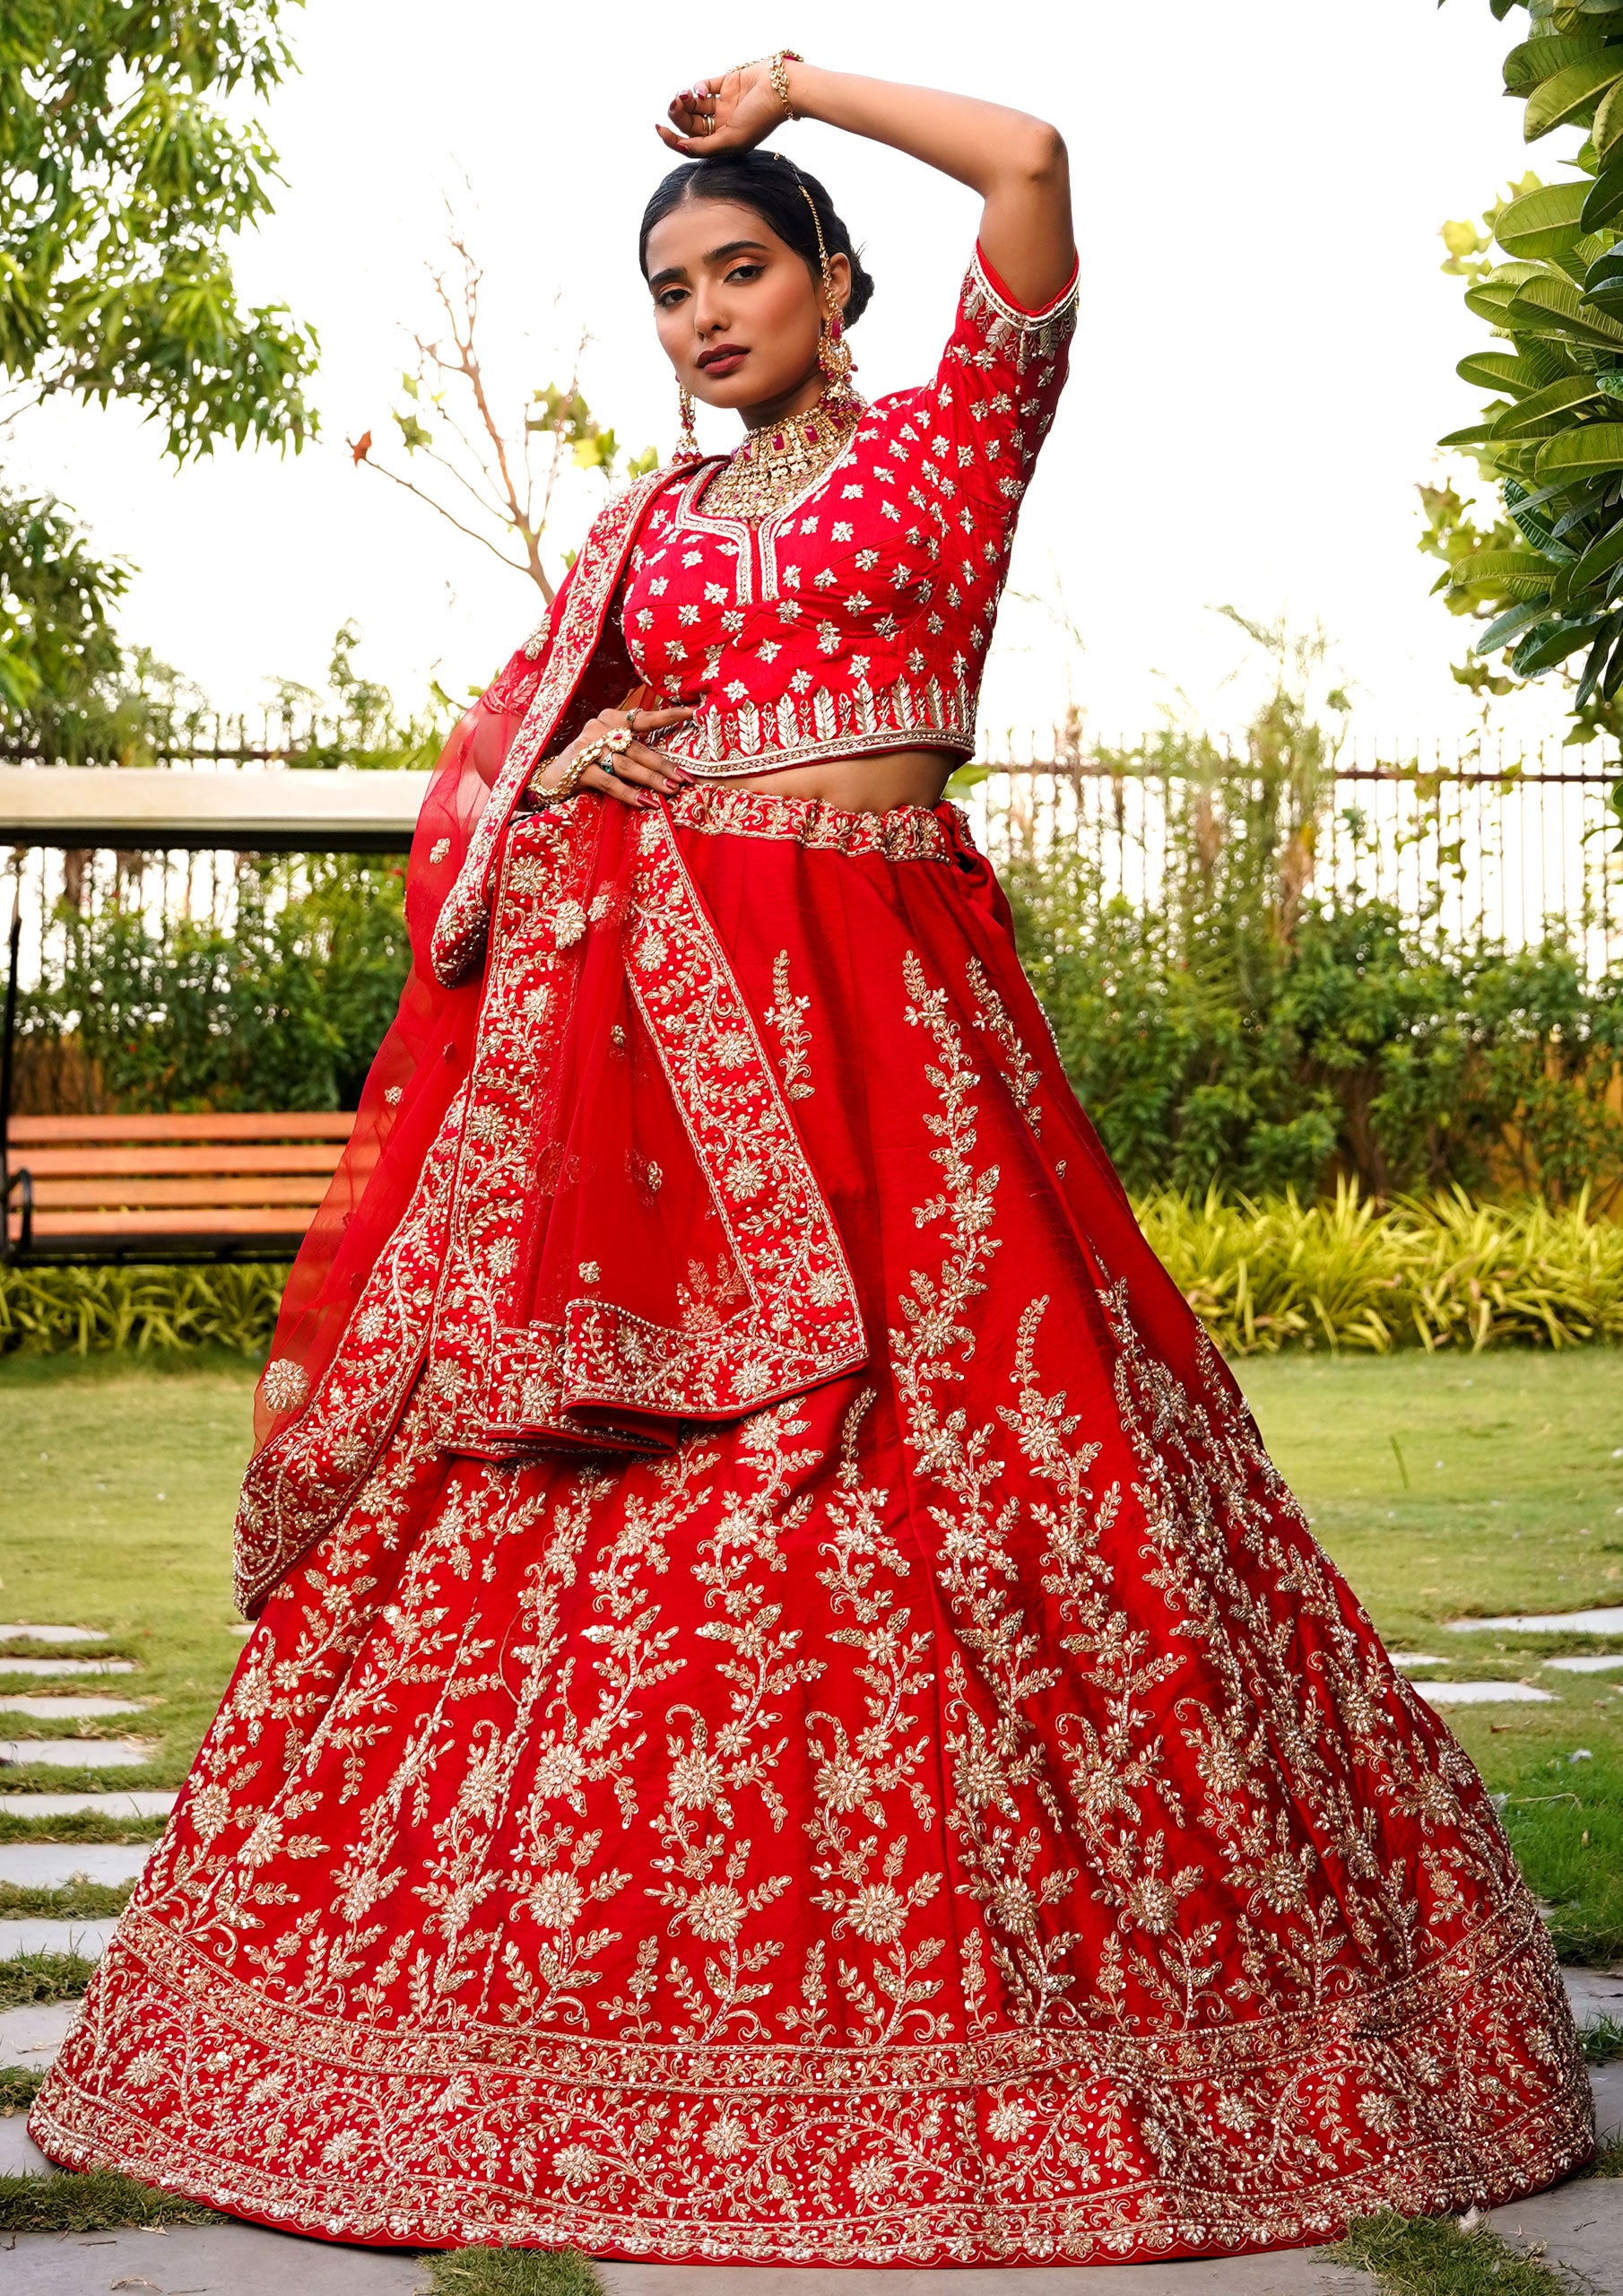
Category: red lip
[725,356]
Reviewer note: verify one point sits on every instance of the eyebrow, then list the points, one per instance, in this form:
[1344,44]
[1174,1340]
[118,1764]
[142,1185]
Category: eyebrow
[715,255]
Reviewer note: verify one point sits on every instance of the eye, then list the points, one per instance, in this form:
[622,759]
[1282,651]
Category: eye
[668,298]
[745,272]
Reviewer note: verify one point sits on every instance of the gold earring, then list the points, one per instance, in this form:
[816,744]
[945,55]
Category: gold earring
[687,445]
[833,355]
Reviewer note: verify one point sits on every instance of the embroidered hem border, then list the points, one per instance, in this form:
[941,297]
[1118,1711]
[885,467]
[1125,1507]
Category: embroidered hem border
[158,1978]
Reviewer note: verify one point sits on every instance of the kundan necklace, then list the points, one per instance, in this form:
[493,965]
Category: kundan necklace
[780,461]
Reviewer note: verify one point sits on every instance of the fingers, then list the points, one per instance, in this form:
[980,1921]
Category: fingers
[636,785]
[648,721]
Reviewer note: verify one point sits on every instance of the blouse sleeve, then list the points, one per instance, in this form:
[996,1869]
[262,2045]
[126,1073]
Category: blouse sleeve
[997,386]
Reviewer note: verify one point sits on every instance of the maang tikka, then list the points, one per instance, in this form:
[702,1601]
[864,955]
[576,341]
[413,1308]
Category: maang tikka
[833,351]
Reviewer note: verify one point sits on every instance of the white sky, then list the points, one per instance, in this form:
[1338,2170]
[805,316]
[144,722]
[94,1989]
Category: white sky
[1266,355]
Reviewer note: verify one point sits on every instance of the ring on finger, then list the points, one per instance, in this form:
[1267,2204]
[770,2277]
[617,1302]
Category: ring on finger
[619,741]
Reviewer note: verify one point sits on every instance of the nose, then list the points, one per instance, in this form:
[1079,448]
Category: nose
[709,316]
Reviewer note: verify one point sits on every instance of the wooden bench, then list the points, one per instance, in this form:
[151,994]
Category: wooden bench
[121,1188]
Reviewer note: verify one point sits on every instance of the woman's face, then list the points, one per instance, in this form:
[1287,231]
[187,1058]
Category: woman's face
[738,312]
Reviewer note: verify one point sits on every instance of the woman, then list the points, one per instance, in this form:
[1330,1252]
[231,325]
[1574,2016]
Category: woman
[791,1718]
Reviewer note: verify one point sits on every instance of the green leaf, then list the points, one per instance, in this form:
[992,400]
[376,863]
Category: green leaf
[1598,559]
[413,433]
[1504,627]
[1549,643]
[1548,305]
[1604,199]
[1534,61]
[1555,399]
[1501,370]
[1580,452]
[1517,572]
[1609,123]
[1542,222]
[1569,92]
[1476,434]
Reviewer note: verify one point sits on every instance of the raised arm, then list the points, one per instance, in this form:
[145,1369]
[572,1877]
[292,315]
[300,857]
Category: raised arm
[1018,164]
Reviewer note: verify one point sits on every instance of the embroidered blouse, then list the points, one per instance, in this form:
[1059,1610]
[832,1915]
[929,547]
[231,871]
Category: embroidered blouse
[857,617]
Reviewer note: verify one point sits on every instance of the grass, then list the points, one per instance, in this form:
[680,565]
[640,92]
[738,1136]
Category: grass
[17,2089]
[74,1900]
[100,2201]
[27,1978]
[78,1825]
[1450,1487]
[1435,2255]
[512,2271]
[121,1483]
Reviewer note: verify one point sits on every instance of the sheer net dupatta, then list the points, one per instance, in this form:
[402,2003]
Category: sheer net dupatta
[636,1240]
[311,1444]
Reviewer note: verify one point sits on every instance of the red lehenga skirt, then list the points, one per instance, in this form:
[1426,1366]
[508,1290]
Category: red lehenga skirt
[952,1815]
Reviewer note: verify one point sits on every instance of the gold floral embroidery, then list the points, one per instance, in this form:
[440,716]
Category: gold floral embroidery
[1020,1072]
[787,1014]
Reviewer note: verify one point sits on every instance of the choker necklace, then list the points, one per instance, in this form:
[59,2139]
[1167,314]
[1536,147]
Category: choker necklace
[781,460]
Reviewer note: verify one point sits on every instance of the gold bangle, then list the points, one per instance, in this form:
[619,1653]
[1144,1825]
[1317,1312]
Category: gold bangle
[777,72]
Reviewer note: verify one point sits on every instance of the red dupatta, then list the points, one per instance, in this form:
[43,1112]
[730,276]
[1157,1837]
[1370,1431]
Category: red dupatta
[574,1186]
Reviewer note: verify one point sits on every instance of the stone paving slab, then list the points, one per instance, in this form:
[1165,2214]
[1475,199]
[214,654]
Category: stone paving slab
[17,1632]
[43,1706]
[134,1804]
[48,1864]
[208,2260]
[1288,2272]
[31,2034]
[87,1937]
[67,1666]
[1578,2225]
[78,1754]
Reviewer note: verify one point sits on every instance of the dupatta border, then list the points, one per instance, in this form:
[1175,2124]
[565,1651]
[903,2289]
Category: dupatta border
[464,922]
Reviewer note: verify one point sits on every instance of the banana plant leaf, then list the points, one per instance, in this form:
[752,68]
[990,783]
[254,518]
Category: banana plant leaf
[1542,222]
[1580,452]
[1569,92]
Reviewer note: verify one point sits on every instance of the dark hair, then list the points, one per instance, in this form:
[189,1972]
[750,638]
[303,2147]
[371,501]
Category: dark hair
[777,190]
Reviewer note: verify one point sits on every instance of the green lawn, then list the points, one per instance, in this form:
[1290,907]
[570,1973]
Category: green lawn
[121,1483]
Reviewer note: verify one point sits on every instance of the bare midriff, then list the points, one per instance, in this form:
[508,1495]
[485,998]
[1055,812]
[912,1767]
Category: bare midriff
[860,785]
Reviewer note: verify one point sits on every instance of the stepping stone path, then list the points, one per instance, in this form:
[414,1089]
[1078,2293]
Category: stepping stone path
[67,1709]
[1484,1694]
[49,1864]
[137,1804]
[14,1633]
[66,1666]
[1591,1664]
[1599,1621]
[86,1938]
[77,1753]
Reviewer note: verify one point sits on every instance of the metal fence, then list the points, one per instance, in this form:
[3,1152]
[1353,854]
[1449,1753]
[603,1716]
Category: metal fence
[1477,843]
